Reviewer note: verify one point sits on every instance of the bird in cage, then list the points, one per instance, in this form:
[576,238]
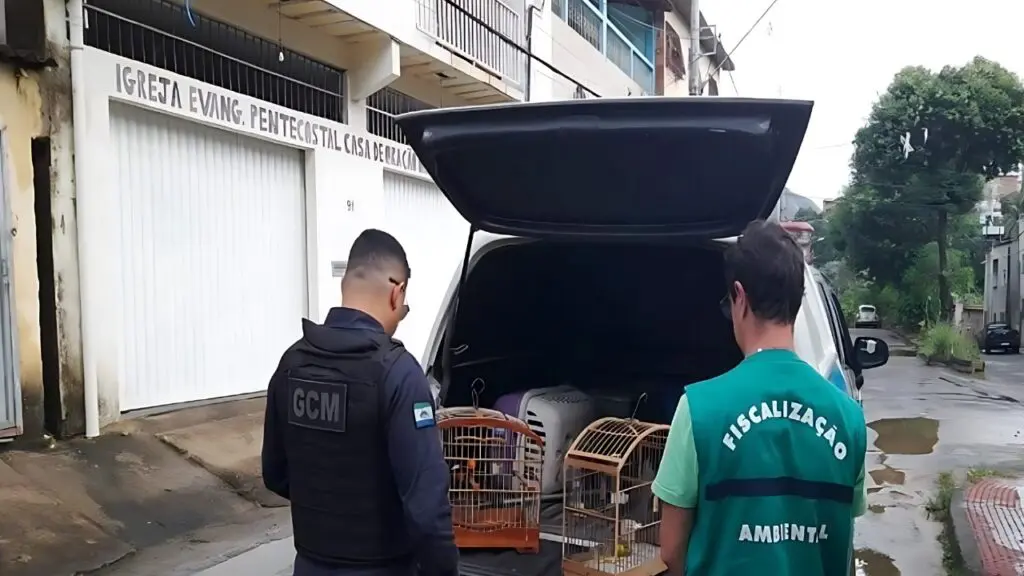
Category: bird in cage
[494,502]
[465,476]
[611,518]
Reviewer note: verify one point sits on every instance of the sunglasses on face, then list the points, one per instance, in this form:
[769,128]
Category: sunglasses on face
[402,285]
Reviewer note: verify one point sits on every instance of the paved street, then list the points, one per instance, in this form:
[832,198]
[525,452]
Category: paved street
[922,421]
[1004,367]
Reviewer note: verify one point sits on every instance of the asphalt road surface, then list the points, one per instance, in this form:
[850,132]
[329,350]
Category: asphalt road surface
[1004,366]
[922,421]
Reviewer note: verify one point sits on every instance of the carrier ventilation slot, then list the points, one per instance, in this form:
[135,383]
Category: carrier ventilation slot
[536,425]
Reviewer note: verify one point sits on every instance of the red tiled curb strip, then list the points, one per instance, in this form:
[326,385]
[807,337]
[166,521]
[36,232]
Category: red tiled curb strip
[996,518]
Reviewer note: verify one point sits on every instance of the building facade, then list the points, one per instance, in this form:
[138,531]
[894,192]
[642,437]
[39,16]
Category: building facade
[38,262]
[619,48]
[989,208]
[183,179]
[999,290]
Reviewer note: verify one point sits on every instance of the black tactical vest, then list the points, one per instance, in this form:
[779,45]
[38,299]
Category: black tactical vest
[345,508]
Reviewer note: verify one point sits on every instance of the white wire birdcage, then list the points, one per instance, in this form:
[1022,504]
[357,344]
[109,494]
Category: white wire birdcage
[611,518]
[495,462]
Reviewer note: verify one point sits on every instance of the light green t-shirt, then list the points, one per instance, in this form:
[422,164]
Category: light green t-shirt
[676,482]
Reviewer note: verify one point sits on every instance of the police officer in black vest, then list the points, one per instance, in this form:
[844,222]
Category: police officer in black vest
[349,436]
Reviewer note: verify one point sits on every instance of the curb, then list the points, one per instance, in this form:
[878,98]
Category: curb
[963,540]
[903,351]
[250,488]
[994,515]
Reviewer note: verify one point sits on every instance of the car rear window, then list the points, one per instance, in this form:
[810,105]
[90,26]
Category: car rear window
[867,308]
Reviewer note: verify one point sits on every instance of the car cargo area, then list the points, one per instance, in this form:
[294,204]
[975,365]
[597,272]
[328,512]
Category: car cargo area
[561,334]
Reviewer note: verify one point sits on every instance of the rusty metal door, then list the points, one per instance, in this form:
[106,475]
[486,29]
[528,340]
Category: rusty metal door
[10,383]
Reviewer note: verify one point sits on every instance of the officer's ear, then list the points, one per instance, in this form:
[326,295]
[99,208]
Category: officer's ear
[398,295]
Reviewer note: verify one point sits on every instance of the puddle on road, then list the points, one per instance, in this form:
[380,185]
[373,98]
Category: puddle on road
[876,508]
[887,475]
[906,435]
[872,563]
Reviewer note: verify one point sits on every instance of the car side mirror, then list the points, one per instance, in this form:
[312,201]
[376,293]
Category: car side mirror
[871,352]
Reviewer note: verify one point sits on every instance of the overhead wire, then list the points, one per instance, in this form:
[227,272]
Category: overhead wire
[729,54]
[826,146]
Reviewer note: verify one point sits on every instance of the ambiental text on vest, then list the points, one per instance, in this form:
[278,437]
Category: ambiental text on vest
[794,411]
[775,533]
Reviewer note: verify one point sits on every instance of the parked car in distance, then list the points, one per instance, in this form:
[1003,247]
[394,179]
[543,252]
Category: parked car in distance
[867,317]
[999,336]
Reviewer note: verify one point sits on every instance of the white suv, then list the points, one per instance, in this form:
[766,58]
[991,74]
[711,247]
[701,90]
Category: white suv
[867,317]
[595,254]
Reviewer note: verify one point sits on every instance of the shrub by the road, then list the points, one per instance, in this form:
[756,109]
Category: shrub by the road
[943,342]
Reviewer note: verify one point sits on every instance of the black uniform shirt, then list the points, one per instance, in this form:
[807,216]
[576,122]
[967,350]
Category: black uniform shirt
[414,450]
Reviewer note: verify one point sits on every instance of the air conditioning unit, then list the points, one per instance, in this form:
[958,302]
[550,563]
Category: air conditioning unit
[23,34]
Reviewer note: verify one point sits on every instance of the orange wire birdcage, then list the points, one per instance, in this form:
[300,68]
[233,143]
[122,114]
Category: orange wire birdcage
[495,462]
[611,518]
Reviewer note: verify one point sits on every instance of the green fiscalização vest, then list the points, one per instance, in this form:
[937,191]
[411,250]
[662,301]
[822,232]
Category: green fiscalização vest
[779,451]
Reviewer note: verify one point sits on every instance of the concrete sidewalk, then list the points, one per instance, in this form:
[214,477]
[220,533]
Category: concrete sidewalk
[86,504]
[988,519]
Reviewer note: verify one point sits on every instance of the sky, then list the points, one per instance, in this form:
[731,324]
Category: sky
[843,53]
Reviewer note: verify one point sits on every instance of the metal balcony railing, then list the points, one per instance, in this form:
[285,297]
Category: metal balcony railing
[454,23]
[383,106]
[593,25]
[158,33]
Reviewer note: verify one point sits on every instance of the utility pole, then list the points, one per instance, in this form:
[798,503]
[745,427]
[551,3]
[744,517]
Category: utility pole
[1009,256]
[695,84]
[1013,279]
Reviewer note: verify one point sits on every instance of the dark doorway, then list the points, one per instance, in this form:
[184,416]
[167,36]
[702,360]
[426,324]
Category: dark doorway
[53,412]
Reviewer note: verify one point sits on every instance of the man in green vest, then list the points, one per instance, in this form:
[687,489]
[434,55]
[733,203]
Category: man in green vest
[764,467]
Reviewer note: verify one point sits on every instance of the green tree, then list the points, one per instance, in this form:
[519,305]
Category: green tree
[876,236]
[974,118]
[919,300]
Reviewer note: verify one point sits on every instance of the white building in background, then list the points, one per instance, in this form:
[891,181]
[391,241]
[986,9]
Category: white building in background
[235,148]
[619,48]
[989,208]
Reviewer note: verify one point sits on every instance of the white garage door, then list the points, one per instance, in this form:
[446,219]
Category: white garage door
[214,259]
[434,237]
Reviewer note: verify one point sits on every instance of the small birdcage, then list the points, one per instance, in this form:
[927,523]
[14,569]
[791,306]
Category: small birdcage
[495,462]
[611,517]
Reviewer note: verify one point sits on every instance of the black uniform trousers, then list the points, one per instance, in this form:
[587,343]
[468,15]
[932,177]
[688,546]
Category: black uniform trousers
[306,567]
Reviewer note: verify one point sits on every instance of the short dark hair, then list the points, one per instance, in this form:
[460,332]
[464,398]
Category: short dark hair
[376,250]
[769,265]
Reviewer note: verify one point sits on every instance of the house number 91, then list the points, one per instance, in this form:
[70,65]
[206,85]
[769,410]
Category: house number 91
[350,205]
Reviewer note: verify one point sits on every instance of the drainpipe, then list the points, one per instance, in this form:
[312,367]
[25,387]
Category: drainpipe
[76,35]
[529,48]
